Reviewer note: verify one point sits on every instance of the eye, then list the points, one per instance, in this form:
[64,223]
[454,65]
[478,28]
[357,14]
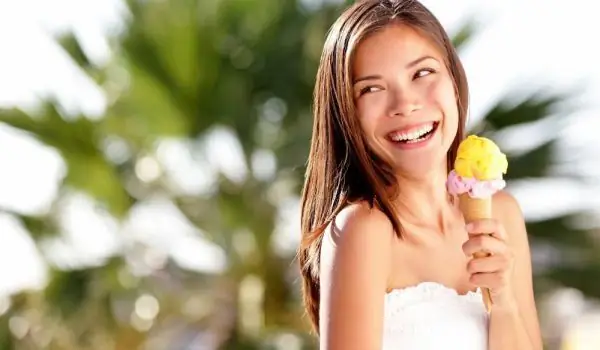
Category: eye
[367,89]
[423,72]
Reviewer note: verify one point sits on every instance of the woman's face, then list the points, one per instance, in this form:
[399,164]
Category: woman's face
[405,99]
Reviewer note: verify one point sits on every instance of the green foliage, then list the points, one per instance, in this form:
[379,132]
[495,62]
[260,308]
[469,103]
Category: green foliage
[561,231]
[581,277]
[79,142]
[531,109]
[465,34]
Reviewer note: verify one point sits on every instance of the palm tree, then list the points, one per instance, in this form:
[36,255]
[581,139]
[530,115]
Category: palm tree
[193,70]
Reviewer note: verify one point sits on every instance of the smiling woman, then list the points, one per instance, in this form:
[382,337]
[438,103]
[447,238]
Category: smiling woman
[385,253]
[405,98]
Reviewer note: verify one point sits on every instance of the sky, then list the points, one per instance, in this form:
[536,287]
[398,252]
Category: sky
[543,43]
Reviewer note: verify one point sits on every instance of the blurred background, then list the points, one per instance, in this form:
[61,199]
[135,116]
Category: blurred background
[152,154]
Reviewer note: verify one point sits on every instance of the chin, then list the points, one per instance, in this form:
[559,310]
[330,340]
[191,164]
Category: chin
[416,160]
[420,168]
[419,163]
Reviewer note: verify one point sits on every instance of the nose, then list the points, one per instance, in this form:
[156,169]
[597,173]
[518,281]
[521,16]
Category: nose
[403,104]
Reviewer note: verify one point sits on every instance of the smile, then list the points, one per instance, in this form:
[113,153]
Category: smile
[414,135]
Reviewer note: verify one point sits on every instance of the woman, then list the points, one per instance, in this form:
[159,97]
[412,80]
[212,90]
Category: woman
[385,254]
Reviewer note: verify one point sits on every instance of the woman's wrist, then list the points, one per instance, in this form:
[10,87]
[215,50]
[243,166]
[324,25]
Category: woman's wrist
[505,304]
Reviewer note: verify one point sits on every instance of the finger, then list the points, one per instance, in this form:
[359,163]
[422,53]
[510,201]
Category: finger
[492,263]
[485,244]
[486,226]
[491,280]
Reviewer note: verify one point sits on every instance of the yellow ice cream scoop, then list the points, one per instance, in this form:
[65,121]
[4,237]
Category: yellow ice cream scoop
[480,158]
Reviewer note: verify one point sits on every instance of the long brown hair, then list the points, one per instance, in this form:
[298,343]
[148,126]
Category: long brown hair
[341,169]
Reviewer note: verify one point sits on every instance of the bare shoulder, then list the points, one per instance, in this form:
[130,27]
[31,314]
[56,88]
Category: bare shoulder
[507,210]
[355,266]
[505,204]
[359,238]
[359,221]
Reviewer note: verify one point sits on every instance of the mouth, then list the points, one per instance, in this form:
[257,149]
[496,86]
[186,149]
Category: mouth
[415,135]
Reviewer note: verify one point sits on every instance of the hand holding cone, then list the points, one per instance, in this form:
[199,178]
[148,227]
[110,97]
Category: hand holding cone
[477,175]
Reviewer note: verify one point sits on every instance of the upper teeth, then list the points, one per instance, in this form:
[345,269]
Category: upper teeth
[413,135]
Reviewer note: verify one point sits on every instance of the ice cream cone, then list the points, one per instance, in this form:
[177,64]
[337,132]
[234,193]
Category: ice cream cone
[478,170]
[477,209]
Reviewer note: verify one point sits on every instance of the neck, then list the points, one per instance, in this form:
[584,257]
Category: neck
[424,201]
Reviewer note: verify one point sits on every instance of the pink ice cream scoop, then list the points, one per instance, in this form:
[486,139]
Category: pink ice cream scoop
[458,185]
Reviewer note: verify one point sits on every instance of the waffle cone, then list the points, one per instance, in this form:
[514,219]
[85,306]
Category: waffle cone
[477,209]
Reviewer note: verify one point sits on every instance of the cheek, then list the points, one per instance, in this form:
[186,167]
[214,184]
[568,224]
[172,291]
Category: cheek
[369,112]
[443,96]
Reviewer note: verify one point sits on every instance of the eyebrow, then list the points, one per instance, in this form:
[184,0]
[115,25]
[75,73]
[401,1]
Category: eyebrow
[408,66]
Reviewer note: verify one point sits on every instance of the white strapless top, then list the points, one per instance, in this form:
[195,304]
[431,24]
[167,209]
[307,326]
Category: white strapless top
[431,316]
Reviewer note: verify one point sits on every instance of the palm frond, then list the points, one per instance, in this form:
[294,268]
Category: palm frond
[533,108]
[560,231]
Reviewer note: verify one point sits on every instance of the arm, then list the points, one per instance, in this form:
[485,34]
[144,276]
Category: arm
[515,326]
[355,265]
